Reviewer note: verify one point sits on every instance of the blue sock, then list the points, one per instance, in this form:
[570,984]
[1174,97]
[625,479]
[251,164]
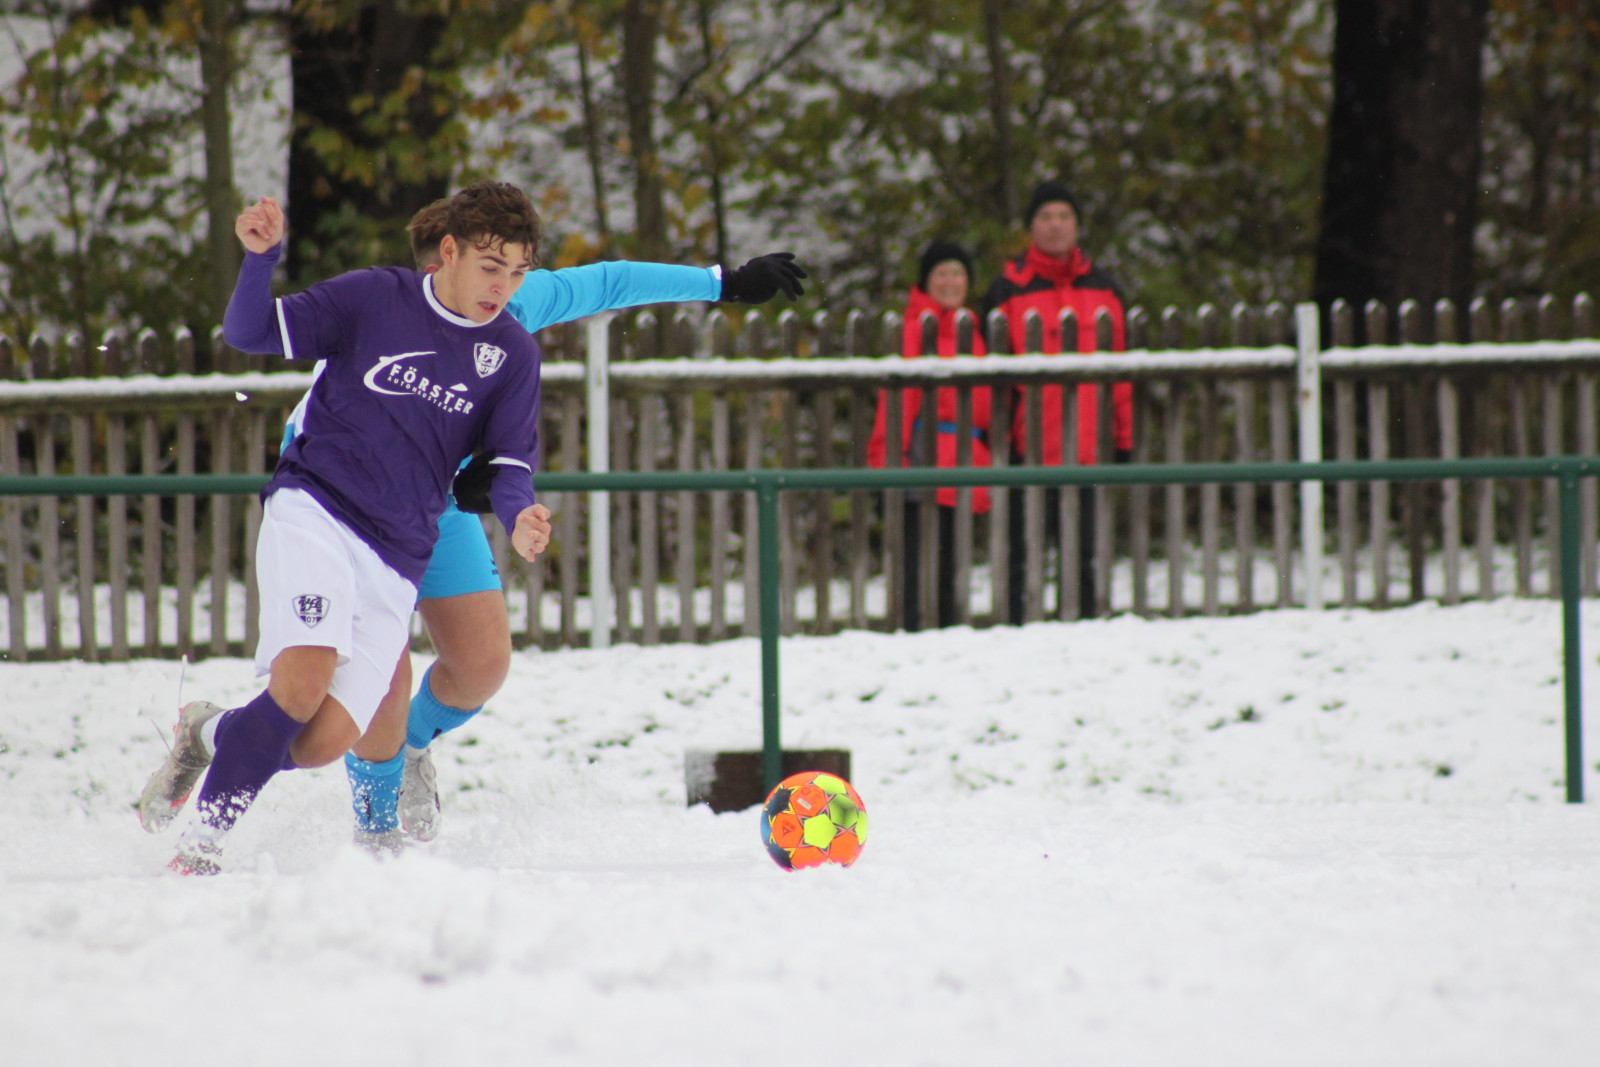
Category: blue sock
[374,791]
[429,718]
[252,743]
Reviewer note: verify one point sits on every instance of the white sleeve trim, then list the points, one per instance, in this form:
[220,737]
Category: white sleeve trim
[716,272]
[283,329]
[509,462]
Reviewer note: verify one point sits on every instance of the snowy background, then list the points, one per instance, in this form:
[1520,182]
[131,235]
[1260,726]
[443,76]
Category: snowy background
[1283,838]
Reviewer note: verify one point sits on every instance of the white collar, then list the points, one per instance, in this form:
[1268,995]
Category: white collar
[444,312]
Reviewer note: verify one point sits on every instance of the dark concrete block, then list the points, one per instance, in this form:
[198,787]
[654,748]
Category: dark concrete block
[731,781]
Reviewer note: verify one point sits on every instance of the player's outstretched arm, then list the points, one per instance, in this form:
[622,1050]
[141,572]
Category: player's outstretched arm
[548,297]
[249,324]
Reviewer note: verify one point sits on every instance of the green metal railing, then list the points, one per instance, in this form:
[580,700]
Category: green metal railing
[1568,471]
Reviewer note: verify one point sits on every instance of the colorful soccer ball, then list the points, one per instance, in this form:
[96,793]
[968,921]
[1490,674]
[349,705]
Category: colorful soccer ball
[813,818]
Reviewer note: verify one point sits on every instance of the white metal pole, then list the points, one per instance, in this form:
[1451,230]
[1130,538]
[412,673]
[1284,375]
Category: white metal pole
[1308,344]
[597,380]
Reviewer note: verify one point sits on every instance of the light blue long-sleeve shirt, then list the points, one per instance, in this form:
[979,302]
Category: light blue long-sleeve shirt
[548,297]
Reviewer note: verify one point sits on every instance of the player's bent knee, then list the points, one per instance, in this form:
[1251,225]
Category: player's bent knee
[470,679]
[299,701]
[300,679]
[486,668]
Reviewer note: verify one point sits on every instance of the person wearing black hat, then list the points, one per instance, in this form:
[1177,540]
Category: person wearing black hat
[944,274]
[1051,277]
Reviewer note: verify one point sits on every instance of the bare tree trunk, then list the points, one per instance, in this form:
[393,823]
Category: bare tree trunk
[1404,152]
[714,141]
[1000,113]
[222,201]
[641,27]
[591,136]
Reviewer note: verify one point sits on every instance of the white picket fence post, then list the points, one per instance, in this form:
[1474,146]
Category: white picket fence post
[1308,356]
[597,382]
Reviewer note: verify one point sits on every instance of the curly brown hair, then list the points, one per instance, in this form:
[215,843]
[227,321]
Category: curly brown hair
[427,228]
[486,214]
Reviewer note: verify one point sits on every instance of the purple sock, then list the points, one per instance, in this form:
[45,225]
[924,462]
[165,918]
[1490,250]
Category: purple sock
[252,743]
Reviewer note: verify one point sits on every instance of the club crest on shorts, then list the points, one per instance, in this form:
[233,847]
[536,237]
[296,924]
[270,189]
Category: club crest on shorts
[311,607]
[487,358]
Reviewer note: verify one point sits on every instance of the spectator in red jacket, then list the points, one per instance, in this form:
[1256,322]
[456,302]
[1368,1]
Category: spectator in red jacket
[1051,276]
[943,279]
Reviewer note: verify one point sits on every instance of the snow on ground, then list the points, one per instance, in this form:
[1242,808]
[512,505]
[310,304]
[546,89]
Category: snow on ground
[1283,838]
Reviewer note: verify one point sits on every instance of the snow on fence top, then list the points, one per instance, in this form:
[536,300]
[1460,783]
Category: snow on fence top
[1479,356]
[177,391]
[151,391]
[886,370]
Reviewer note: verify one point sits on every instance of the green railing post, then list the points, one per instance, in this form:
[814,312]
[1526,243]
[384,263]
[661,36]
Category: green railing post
[1571,636]
[767,535]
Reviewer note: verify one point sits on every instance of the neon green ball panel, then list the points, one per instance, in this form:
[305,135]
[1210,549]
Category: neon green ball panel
[843,811]
[819,831]
[861,828]
[830,784]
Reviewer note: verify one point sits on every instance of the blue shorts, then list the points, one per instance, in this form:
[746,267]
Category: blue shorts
[462,561]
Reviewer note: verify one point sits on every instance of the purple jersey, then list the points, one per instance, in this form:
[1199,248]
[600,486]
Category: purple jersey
[410,390]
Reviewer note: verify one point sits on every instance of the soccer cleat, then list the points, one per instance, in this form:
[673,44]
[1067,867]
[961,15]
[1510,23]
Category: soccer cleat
[168,789]
[381,843]
[419,795]
[199,852]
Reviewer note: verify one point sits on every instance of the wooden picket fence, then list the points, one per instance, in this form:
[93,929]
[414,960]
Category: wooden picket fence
[112,577]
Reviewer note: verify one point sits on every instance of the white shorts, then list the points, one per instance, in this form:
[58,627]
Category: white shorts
[323,586]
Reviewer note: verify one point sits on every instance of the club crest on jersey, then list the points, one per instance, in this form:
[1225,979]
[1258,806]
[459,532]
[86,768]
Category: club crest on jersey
[311,607]
[487,358]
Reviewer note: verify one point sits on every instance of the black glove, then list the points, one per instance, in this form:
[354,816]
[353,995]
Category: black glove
[471,485]
[763,278]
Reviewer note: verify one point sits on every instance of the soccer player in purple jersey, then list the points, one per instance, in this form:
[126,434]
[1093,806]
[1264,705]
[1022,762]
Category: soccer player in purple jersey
[422,372]
[393,785]
[338,432]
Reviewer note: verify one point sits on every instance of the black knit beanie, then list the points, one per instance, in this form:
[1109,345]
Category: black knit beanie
[1052,192]
[939,252]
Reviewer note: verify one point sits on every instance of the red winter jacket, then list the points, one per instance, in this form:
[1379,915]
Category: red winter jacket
[1049,285]
[911,402]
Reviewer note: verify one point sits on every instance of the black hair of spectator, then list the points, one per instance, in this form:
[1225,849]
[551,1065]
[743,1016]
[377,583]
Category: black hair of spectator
[939,252]
[1050,192]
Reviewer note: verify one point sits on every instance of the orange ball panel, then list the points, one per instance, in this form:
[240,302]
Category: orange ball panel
[808,857]
[808,800]
[787,832]
[844,849]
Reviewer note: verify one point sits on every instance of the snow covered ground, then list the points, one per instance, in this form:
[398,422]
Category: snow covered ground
[1283,838]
